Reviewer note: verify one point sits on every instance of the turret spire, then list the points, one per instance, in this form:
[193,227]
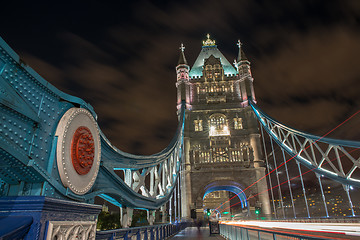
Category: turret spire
[182,81]
[182,68]
[182,59]
[245,79]
[241,55]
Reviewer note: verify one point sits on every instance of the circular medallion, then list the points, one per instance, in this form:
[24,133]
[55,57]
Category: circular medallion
[82,150]
[78,150]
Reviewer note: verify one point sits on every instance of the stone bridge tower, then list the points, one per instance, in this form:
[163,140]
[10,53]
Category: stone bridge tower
[222,140]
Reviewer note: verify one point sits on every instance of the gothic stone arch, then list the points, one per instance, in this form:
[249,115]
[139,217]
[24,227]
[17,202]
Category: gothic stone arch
[223,176]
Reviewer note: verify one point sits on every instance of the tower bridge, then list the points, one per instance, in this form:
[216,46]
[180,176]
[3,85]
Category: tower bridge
[225,161]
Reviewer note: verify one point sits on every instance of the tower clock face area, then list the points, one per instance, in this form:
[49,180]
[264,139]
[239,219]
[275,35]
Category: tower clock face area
[218,125]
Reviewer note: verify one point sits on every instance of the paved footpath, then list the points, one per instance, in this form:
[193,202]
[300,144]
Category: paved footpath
[193,233]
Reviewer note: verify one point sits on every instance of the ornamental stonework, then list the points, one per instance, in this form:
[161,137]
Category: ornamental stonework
[78,150]
[82,150]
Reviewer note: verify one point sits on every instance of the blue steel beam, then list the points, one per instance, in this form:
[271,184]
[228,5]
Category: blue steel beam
[31,110]
[313,151]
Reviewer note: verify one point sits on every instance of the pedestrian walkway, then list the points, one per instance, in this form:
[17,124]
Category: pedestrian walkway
[194,233]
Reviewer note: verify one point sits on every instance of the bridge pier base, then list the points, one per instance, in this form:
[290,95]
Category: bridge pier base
[38,217]
[150,217]
[164,214]
[126,217]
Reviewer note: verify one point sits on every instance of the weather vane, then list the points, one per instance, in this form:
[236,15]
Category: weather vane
[239,43]
[182,47]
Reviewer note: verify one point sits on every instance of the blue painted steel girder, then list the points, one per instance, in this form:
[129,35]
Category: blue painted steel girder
[305,148]
[31,109]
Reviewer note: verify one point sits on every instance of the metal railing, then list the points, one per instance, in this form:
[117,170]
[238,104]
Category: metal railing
[231,232]
[154,232]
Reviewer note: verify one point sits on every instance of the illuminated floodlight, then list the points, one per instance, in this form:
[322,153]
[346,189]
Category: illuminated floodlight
[219,132]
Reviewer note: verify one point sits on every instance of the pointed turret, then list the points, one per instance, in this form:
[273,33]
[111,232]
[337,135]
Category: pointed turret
[182,59]
[182,82]
[245,83]
[182,69]
[241,55]
[242,63]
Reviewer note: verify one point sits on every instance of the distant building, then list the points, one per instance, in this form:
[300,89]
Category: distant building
[105,208]
[337,205]
[217,198]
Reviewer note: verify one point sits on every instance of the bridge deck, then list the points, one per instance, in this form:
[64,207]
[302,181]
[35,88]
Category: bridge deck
[193,233]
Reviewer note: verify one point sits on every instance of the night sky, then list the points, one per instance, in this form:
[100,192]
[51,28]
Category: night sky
[121,58]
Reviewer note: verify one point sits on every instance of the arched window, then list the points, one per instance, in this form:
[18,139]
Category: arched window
[238,123]
[198,125]
[218,125]
[217,72]
[209,72]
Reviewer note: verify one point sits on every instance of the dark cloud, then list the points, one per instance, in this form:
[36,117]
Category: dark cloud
[121,59]
[312,83]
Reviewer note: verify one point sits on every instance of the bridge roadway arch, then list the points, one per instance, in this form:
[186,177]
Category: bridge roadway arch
[232,179]
[229,186]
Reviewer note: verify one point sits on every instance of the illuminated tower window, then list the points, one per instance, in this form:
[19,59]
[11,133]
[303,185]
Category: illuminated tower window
[238,124]
[236,156]
[217,72]
[198,125]
[218,125]
[209,72]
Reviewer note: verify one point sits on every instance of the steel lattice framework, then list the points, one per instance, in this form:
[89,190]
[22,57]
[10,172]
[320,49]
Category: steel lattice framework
[147,181]
[336,159]
[38,125]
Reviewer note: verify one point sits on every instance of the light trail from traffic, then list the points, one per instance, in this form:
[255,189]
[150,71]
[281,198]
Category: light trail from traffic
[350,229]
